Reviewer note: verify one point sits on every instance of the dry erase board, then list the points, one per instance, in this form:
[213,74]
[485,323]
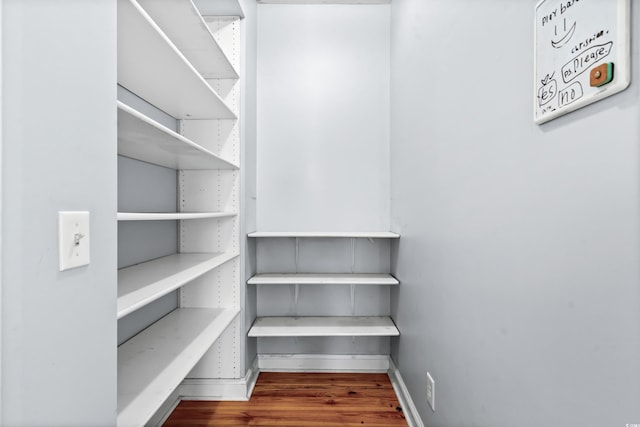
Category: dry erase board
[581,54]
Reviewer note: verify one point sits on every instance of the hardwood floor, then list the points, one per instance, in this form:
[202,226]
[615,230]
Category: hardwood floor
[301,399]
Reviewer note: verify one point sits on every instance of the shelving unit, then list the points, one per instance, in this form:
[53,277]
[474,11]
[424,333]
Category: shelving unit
[183,24]
[142,138]
[323,279]
[148,59]
[154,362]
[141,284]
[166,216]
[166,53]
[325,326]
[328,234]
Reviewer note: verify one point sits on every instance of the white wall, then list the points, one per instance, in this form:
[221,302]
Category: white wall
[323,117]
[59,153]
[1,191]
[519,259]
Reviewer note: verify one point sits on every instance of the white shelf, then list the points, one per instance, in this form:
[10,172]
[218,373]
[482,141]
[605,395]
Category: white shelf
[141,284]
[323,327]
[150,66]
[153,363]
[182,23]
[157,216]
[142,138]
[323,279]
[220,8]
[337,234]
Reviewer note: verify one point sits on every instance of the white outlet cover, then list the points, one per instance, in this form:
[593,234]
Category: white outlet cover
[431,392]
[73,239]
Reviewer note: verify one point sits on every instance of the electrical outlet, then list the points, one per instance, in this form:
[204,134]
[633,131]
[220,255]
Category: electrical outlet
[431,392]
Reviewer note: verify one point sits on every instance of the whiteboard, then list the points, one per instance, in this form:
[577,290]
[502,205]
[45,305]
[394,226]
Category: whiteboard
[581,54]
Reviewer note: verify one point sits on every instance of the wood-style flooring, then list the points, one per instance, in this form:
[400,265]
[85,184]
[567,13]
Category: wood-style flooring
[301,399]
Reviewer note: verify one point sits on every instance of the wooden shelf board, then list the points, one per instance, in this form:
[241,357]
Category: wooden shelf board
[150,66]
[153,363]
[323,327]
[141,284]
[142,138]
[335,234]
[182,23]
[323,279]
[164,216]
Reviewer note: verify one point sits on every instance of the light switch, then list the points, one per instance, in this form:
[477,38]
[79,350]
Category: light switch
[73,239]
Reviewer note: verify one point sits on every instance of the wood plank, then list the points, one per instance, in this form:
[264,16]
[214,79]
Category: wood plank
[306,402]
[330,379]
[301,399]
[288,419]
[328,391]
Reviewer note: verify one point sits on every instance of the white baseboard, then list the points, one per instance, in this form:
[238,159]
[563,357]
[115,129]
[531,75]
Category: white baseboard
[220,389]
[322,363]
[165,410]
[408,407]
[208,389]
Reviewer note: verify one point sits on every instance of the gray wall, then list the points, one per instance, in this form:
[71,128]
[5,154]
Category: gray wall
[519,258]
[59,153]
[143,187]
[323,117]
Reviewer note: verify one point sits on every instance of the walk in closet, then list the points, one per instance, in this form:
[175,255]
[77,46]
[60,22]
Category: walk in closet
[320,185]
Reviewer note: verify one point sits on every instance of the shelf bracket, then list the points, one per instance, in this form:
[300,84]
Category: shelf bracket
[353,254]
[297,253]
[296,294]
[353,299]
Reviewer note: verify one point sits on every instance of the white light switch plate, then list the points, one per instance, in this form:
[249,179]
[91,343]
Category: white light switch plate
[73,239]
[431,392]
